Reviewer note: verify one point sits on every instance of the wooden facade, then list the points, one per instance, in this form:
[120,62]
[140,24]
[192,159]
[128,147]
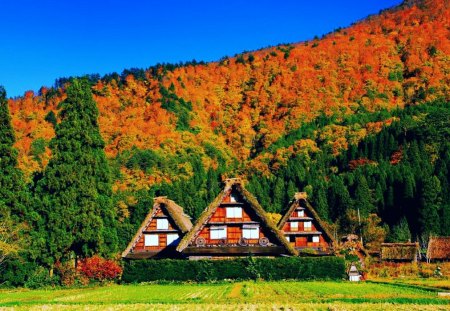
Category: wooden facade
[160,232]
[303,228]
[234,225]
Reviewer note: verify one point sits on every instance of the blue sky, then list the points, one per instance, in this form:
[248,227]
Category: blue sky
[44,40]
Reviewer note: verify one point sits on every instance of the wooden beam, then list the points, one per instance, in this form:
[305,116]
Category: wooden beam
[302,233]
[235,250]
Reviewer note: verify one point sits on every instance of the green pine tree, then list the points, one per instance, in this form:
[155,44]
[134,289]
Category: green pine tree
[321,203]
[430,202]
[363,196]
[400,232]
[75,191]
[278,196]
[12,187]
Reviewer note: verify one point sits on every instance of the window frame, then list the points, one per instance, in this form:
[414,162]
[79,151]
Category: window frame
[149,240]
[215,229]
[307,228]
[294,227]
[165,221]
[252,229]
[230,212]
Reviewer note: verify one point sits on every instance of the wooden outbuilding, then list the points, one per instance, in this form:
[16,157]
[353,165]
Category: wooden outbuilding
[234,224]
[304,229]
[399,252]
[438,248]
[160,232]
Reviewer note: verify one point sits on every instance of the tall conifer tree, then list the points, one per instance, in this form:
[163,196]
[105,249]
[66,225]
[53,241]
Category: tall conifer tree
[12,189]
[75,190]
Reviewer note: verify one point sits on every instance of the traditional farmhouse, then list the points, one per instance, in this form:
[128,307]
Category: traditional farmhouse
[399,252]
[438,249]
[160,232]
[303,228]
[234,224]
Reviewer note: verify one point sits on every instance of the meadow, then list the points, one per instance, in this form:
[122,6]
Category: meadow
[249,295]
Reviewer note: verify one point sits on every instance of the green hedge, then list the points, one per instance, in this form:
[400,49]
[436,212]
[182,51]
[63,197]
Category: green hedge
[300,268]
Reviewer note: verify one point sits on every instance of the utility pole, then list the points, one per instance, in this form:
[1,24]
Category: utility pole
[360,228]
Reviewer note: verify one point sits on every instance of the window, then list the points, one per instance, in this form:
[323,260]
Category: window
[151,240]
[250,231]
[216,233]
[172,238]
[162,224]
[307,225]
[294,225]
[234,212]
[315,239]
[301,213]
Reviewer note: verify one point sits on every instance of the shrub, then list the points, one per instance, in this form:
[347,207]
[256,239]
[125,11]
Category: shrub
[66,272]
[99,269]
[250,268]
[41,278]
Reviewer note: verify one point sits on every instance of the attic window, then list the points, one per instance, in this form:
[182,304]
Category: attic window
[250,231]
[217,233]
[151,240]
[172,238]
[307,225]
[315,239]
[234,212]
[301,213]
[162,224]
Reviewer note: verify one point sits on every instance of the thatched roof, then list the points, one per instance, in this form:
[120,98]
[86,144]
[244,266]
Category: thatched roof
[235,183]
[302,196]
[439,248]
[181,220]
[399,251]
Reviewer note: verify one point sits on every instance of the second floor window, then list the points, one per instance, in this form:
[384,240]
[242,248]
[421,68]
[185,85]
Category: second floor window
[217,233]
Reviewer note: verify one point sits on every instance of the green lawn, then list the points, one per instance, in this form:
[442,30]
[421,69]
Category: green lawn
[310,295]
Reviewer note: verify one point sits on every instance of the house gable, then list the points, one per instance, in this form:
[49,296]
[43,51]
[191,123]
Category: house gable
[234,224]
[303,227]
[160,232]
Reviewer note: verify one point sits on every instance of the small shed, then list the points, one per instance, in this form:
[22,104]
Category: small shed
[439,248]
[399,252]
[353,274]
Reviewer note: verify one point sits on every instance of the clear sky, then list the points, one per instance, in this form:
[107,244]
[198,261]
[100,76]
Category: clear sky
[47,39]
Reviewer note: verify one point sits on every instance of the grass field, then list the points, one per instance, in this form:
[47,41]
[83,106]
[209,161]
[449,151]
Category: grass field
[289,295]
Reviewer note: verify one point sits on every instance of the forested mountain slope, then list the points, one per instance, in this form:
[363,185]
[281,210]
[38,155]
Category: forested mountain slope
[323,116]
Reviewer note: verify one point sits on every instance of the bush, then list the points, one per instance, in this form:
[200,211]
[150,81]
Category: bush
[67,273]
[41,278]
[99,269]
[300,268]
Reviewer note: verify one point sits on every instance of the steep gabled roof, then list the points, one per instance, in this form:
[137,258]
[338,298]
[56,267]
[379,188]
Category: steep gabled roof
[296,203]
[181,220]
[439,247]
[235,183]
